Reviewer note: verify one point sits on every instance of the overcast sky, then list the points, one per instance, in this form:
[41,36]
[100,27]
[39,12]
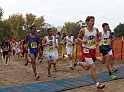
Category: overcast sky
[56,12]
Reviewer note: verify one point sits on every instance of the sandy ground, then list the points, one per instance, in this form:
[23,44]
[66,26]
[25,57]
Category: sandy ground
[16,74]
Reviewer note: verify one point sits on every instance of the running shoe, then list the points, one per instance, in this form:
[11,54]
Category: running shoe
[112,76]
[37,77]
[55,70]
[6,64]
[49,75]
[63,55]
[71,68]
[100,86]
[114,70]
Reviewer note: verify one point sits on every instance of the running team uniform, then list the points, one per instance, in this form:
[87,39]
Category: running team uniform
[33,45]
[69,44]
[50,50]
[5,47]
[104,43]
[18,47]
[13,45]
[89,49]
[24,47]
[56,52]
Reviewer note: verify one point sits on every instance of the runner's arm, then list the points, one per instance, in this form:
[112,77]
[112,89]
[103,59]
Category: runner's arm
[98,35]
[44,43]
[64,40]
[81,35]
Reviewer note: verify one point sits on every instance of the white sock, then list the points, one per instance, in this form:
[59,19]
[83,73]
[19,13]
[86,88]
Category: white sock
[97,83]
[70,63]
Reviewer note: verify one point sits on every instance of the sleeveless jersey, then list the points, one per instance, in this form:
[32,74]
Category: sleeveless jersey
[69,42]
[91,39]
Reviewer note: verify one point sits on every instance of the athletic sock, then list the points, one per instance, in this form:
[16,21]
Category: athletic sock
[70,63]
[110,73]
[97,83]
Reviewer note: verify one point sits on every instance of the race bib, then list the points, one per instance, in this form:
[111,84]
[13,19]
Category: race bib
[51,49]
[33,44]
[105,41]
[25,45]
[85,50]
[91,43]
[69,45]
[6,49]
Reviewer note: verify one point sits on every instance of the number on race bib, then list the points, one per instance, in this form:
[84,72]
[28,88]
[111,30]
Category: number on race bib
[69,45]
[91,43]
[33,44]
[105,42]
[6,48]
[51,49]
[85,50]
[25,45]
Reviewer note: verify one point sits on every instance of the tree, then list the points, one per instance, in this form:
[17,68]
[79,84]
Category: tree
[17,22]
[119,30]
[1,13]
[73,26]
[29,20]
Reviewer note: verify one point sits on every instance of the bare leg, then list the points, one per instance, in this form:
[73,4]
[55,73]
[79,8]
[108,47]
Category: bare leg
[33,62]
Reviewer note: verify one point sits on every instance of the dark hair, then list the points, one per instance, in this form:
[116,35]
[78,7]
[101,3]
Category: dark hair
[32,26]
[104,24]
[58,33]
[49,29]
[88,18]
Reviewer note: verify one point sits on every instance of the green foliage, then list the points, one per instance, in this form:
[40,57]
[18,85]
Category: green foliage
[73,26]
[119,30]
[1,13]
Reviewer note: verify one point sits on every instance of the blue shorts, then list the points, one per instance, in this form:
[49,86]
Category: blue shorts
[5,53]
[109,48]
[34,52]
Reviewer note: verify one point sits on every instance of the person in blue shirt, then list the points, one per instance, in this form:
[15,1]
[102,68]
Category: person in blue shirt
[110,52]
[33,39]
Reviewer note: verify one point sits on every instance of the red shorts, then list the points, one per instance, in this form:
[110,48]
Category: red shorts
[90,54]
[25,50]
[9,50]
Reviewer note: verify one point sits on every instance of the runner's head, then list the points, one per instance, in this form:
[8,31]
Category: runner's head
[69,33]
[49,31]
[33,29]
[105,26]
[6,39]
[90,21]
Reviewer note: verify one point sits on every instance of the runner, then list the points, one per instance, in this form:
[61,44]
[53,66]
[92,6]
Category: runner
[13,45]
[24,48]
[56,52]
[10,49]
[69,47]
[5,47]
[40,53]
[33,39]
[49,42]
[111,52]
[89,35]
[105,48]
[18,50]
[0,51]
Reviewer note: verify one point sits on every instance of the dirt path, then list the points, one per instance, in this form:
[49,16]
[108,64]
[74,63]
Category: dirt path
[16,74]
